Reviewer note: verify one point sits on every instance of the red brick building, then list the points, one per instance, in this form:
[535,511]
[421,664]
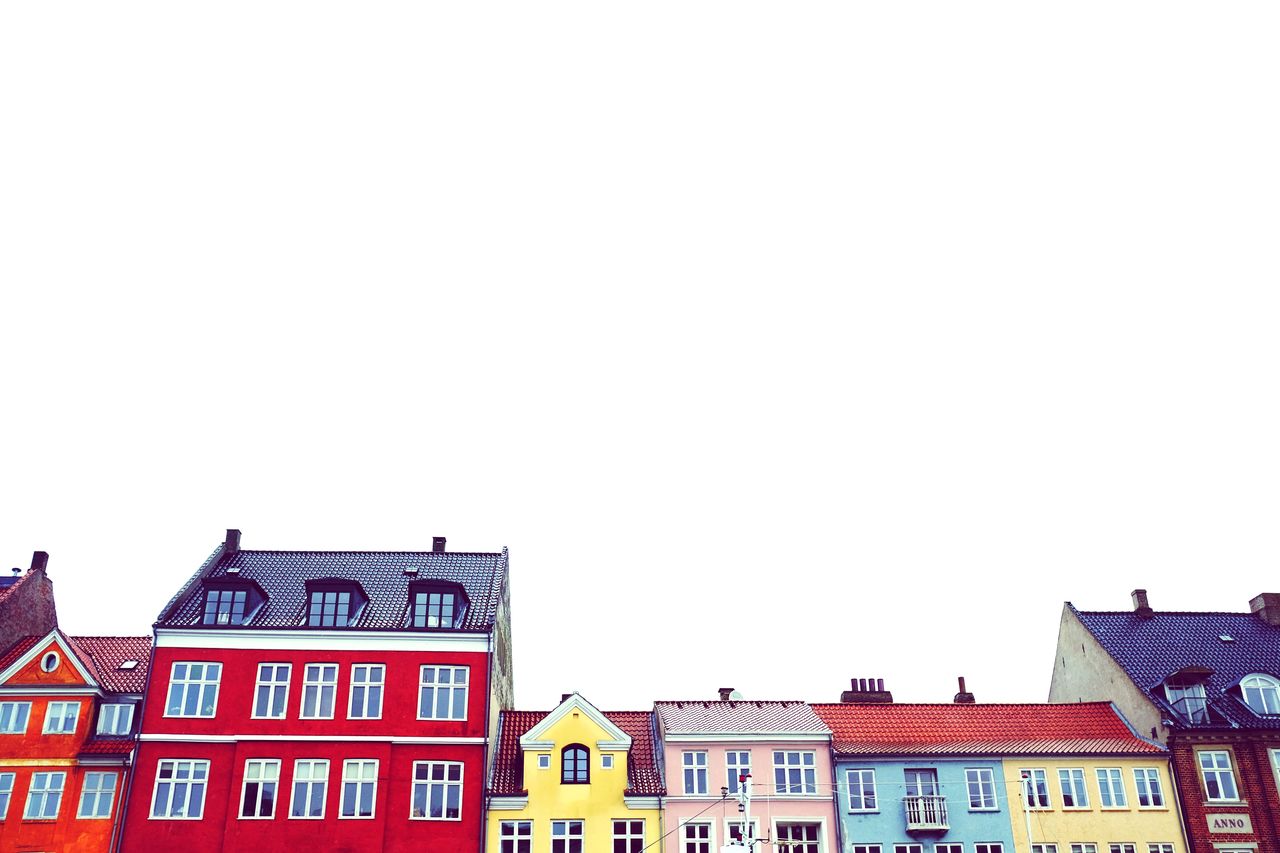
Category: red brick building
[337,698]
[67,718]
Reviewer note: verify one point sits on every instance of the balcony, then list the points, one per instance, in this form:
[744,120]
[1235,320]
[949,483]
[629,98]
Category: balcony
[926,813]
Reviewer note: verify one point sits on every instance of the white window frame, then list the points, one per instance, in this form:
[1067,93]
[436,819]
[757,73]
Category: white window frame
[317,686]
[544,761]
[1122,847]
[1111,786]
[1148,778]
[1268,693]
[1084,847]
[1037,783]
[94,793]
[867,848]
[267,778]
[367,688]
[109,718]
[606,761]
[985,778]
[6,793]
[273,688]
[18,709]
[429,783]
[989,847]
[790,844]
[451,687]
[1218,772]
[50,717]
[191,782]
[1160,847]
[696,844]
[515,836]
[1044,848]
[1189,701]
[1079,794]
[860,787]
[947,847]
[730,825]
[186,684]
[734,768]
[314,777]
[566,837]
[908,847]
[693,768]
[52,783]
[628,834]
[359,765]
[783,768]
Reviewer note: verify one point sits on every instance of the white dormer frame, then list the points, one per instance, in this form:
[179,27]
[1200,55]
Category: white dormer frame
[615,738]
[39,649]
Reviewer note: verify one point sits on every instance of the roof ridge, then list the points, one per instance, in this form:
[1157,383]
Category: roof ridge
[1165,613]
[363,551]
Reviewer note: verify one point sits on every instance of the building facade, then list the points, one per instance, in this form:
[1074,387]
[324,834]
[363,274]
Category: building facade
[1205,684]
[575,780]
[67,719]
[780,749]
[341,698]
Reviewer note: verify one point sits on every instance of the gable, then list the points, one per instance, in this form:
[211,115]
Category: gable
[576,721]
[52,651]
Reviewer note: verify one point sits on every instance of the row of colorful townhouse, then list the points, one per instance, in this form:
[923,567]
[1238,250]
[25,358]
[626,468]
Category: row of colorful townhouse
[363,701]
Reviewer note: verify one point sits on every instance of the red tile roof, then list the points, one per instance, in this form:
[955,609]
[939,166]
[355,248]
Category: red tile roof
[643,776]
[103,656]
[11,585]
[17,650]
[740,716]
[1085,728]
[107,746]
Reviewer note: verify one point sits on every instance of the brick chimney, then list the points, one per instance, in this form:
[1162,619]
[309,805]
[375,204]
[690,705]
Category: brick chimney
[39,561]
[1266,606]
[726,693]
[1140,605]
[232,543]
[964,697]
[869,690]
[437,544]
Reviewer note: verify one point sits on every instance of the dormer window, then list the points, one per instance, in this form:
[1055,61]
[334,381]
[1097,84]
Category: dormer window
[333,605]
[230,604]
[1261,693]
[1188,700]
[435,607]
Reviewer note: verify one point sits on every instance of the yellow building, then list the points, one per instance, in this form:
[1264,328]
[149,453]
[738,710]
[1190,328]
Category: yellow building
[574,780]
[1093,804]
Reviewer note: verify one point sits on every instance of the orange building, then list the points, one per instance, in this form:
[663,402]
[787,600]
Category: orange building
[68,714]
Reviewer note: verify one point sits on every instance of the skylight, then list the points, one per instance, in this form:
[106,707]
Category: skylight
[1226,638]
[128,664]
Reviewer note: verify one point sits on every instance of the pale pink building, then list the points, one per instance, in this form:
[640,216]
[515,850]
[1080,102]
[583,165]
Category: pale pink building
[782,748]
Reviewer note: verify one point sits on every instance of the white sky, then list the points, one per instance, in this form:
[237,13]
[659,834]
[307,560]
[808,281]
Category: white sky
[781,343]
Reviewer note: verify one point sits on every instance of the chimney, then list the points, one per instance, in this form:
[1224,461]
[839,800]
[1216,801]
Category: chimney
[726,693]
[437,544]
[868,690]
[232,544]
[564,697]
[1140,605]
[964,697]
[1266,606]
[39,561]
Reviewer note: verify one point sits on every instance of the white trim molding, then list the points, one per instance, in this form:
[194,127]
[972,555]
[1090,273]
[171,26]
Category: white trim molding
[536,738]
[508,804]
[816,738]
[642,802]
[287,639]
[39,649]
[335,739]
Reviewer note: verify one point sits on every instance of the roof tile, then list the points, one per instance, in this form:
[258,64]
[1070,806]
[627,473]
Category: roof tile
[740,717]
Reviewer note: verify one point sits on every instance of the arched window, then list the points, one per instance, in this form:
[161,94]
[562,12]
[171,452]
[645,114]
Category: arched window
[1261,693]
[575,765]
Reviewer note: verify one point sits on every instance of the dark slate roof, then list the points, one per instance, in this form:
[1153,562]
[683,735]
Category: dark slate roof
[283,575]
[1081,728]
[644,779]
[740,716]
[9,582]
[1151,649]
[102,656]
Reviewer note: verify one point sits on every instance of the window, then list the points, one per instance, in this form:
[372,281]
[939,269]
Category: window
[515,836]
[1146,781]
[1261,693]
[1036,788]
[319,685]
[1084,848]
[258,797]
[1188,700]
[179,793]
[50,662]
[908,848]
[271,692]
[1160,848]
[436,608]
[359,785]
[866,848]
[566,836]
[733,829]
[224,606]
[606,761]
[366,691]
[13,717]
[921,783]
[793,773]
[862,790]
[544,762]
[575,765]
[6,793]
[989,847]
[97,794]
[737,764]
[628,836]
[695,772]
[437,790]
[1219,780]
[982,788]
[193,690]
[310,785]
[1111,788]
[45,796]
[115,719]
[60,718]
[442,693]
[1071,782]
[695,838]
[1044,848]
[797,838]
[330,608]
[948,848]
[1123,848]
